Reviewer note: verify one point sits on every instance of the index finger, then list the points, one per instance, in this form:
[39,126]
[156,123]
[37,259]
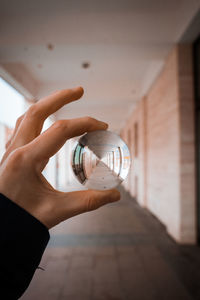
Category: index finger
[50,104]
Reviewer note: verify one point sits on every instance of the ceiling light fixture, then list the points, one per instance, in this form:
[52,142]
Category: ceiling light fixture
[85,65]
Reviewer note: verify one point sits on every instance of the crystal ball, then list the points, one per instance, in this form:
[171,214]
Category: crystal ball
[100,160]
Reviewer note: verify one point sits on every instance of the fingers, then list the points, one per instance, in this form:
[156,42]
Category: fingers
[52,103]
[18,122]
[75,203]
[32,122]
[48,143]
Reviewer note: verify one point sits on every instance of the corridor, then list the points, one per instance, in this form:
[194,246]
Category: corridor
[119,252]
[138,62]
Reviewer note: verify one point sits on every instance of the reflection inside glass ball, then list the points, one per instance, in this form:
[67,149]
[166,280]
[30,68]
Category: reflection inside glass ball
[100,160]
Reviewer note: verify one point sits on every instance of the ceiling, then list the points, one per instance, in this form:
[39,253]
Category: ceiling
[43,45]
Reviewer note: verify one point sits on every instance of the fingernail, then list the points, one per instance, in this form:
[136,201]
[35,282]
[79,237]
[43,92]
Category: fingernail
[105,124]
[78,88]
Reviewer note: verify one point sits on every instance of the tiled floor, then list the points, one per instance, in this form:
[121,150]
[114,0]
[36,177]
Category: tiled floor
[119,252]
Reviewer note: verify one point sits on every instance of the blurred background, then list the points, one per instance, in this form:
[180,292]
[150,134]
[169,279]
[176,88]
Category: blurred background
[139,64]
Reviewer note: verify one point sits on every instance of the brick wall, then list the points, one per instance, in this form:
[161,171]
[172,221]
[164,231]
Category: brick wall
[187,141]
[162,177]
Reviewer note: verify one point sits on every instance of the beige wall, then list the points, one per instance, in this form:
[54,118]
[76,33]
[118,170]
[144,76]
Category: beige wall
[165,164]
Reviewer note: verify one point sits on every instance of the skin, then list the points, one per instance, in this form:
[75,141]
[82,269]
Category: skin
[27,153]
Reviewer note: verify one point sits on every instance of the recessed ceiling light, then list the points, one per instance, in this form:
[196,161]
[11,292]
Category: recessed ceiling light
[50,46]
[85,65]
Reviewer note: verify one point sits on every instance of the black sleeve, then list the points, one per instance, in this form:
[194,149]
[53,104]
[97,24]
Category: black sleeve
[23,240]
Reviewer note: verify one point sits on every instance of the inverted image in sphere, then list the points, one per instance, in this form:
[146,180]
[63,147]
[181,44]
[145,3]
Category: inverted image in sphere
[101,160]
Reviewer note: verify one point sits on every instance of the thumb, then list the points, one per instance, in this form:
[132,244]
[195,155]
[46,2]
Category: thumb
[75,203]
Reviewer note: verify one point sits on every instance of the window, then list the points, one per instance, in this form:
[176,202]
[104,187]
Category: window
[136,139]
[12,105]
[129,139]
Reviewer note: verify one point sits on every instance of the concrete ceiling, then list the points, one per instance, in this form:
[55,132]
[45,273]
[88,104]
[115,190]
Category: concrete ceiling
[44,43]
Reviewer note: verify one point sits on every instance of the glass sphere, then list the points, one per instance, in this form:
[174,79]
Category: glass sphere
[100,160]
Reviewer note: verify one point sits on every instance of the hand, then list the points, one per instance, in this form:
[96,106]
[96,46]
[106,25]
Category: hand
[28,152]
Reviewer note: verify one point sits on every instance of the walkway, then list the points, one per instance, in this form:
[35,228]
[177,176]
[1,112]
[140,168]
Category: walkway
[119,252]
